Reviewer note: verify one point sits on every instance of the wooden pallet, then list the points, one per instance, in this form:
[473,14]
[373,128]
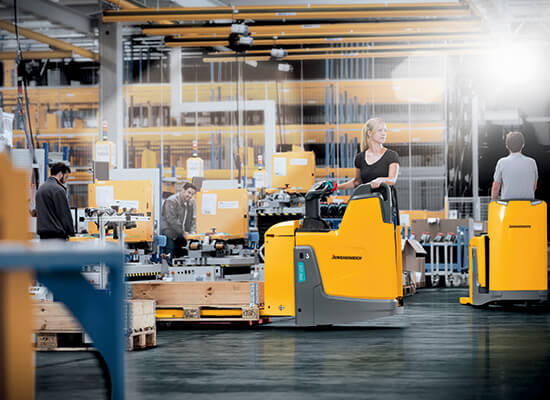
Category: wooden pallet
[61,341]
[409,290]
[144,339]
[168,294]
[209,313]
[56,329]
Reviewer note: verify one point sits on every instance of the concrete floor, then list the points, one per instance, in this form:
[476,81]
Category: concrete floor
[437,349]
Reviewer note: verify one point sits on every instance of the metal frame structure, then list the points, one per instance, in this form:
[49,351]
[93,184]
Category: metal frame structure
[267,106]
[99,312]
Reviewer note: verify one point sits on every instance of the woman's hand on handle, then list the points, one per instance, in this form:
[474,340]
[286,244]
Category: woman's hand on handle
[375,183]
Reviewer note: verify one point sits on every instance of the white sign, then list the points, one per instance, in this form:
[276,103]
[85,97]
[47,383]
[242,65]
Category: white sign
[208,206]
[405,219]
[6,129]
[127,204]
[228,204]
[453,214]
[194,167]
[102,152]
[104,196]
[259,179]
[298,161]
[279,166]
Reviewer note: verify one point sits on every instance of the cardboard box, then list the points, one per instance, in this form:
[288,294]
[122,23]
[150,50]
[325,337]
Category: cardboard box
[413,261]
[419,277]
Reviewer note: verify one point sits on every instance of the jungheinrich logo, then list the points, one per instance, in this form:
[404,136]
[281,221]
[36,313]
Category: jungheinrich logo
[335,257]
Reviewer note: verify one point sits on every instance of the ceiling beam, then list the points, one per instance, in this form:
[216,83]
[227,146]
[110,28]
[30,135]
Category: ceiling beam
[127,5]
[287,12]
[301,7]
[55,13]
[173,42]
[145,15]
[367,28]
[35,55]
[382,54]
[355,49]
[58,44]
[124,4]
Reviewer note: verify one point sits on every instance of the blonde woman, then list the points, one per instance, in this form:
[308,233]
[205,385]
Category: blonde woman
[375,164]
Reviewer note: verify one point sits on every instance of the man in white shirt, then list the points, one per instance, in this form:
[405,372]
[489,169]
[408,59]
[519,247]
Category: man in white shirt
[515,175]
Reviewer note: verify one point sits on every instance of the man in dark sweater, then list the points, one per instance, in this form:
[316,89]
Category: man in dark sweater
[53,214]
[179,219]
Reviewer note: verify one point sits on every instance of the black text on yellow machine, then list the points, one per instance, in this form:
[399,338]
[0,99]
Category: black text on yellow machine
[509,263]
[324,277]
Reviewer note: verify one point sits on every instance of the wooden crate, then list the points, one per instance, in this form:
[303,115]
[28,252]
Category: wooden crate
[215,293]
[49,316]
[142,331]
[57,329]
[141,315]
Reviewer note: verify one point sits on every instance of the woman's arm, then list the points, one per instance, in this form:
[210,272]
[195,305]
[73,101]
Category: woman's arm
[393,172]
[352,183]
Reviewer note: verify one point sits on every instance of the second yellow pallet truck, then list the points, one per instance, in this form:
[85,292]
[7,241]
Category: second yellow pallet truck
[321,276]
[509,264]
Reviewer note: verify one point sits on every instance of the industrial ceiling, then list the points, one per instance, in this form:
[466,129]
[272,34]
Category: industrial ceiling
[305,30]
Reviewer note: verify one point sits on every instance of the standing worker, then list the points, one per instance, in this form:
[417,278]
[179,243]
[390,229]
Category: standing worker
[515,175]
[375,164]
[178,219]
[53,214]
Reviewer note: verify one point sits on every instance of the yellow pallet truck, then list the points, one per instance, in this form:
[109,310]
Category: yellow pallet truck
[322,276]
[509,264]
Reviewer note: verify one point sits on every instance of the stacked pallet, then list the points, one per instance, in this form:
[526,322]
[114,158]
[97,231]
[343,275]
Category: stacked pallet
[218,301]
[141,332]
[56,329]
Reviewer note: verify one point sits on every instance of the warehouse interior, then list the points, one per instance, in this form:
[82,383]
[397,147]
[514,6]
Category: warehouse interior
[216,236]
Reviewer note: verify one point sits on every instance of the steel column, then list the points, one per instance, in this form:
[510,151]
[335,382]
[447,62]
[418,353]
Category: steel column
[110,86]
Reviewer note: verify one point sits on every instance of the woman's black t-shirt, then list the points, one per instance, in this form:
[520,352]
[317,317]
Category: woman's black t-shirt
[379,169]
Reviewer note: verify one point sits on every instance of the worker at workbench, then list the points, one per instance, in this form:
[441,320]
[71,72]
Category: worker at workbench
[516,175]
[178,219]
[53,213]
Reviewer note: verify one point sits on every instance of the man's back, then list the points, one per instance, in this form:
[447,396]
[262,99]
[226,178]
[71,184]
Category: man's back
[53,213]
[518,175]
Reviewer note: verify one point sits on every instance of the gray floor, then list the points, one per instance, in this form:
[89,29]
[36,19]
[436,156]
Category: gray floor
[436,349]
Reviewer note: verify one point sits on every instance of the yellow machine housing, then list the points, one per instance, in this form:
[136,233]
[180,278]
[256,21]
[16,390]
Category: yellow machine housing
[510,262]
[293,169]
[149,159]
[17,360]
[358,267]
[225,210]
[140,191]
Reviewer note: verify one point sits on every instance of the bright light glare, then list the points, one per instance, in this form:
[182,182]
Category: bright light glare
[512,64]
